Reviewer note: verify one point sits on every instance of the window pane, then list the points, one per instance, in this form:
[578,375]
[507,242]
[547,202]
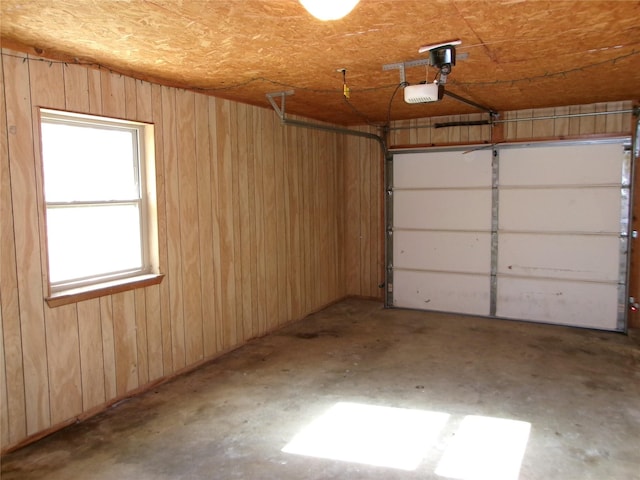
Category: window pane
[93,240]
[85,163]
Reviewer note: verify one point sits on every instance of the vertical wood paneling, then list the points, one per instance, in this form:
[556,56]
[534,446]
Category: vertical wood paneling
[205,227]
[441,135]
[215,226]
[295,258]
[11,333]
[91,356]
[364,216]
[250,226]
[4,410]
[237,126]
[108,346]
[112,94]
[363,186]
[226,240]
[601,120]
[254,318]
[542,128]
[144,102]
[306,205]
[337,210]
[375,218]
[524,128]
[155,341]
[94,79]
[27,238]
[574,122]
[130,98]
[125,341]
[352,222]
[260,160]
[323,229]
[271,216]
[617,122]
[561,124]
[76,88]
[63,352]
[7,260]
[164,295]
[61,324]
[189,237]
[281,222]
[172,212]
[142,353]
[243,247]
[588,123]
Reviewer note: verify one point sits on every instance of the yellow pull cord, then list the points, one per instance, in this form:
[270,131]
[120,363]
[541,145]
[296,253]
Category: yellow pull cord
[345,88]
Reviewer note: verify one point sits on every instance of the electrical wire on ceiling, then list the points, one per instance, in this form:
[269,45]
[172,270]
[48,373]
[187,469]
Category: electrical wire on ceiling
[346,93]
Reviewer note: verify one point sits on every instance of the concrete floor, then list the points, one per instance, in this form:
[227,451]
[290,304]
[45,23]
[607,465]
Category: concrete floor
[575,392]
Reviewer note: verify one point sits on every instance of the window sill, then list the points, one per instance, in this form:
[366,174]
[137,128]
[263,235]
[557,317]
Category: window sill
[99,290]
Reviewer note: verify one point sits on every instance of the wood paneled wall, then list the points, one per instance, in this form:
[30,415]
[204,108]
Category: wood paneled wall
[364,227]
[516,125]
[251,229]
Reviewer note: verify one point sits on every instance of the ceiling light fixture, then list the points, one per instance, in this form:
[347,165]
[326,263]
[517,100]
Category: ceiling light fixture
[329,9]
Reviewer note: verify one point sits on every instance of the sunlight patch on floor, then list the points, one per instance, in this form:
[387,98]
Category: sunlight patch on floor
[485,448]
[369,434]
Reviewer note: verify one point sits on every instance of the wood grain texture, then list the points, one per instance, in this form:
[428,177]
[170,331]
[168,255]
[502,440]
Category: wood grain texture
[27,240]
[13,378]
[125,341]
[208,294]
[241,232]
[214,171]
[61,324]
[91,356]
[189,246]
[164,307]
[172,212]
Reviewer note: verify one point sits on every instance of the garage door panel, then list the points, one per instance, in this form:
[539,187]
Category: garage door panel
[442,209]
[578,257]
[582,304]
[536,232]
[447,292]
[442,251]
[592,210]
[594,164]
[443,169]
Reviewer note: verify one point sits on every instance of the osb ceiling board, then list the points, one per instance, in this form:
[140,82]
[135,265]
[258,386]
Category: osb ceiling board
[519,54]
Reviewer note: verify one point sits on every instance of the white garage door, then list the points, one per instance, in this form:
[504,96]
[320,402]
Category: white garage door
[533,232]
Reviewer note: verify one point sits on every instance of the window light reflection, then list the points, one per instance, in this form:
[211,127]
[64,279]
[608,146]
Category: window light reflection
[373,435]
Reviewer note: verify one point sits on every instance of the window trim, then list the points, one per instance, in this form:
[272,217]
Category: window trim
[78,290]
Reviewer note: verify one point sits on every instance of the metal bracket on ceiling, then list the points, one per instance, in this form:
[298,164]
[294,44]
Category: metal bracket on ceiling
[279,109]
[402,66]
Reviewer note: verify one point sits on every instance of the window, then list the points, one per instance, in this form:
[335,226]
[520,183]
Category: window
[99,194]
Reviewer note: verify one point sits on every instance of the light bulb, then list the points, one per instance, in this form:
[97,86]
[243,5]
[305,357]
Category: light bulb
[329,9]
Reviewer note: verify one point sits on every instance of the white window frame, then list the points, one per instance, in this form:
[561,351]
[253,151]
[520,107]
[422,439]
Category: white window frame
[71,290]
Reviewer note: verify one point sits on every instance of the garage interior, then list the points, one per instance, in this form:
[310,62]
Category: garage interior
[352,285]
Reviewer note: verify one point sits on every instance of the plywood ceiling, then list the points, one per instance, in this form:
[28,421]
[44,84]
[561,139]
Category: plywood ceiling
[520,54]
